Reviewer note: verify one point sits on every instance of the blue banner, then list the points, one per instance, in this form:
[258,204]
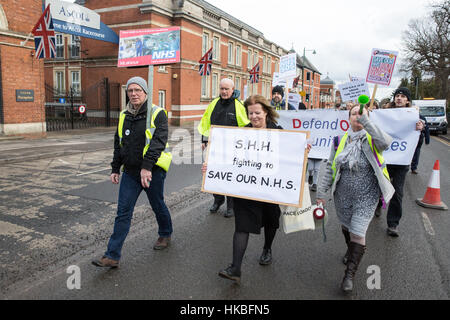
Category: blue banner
[104,33]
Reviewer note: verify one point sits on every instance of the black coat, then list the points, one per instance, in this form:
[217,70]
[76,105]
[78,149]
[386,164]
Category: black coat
[252,215]
[133,143]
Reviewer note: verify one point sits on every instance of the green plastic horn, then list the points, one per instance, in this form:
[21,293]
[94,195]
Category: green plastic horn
[362,100]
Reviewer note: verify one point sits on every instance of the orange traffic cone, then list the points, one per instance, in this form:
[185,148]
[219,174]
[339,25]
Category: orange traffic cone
[432,198]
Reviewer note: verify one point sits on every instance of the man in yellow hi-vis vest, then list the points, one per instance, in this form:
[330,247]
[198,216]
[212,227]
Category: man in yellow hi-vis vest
[140,148]
[226,110]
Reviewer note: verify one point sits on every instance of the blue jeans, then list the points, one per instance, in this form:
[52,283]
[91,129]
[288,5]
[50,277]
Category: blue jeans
[130,189]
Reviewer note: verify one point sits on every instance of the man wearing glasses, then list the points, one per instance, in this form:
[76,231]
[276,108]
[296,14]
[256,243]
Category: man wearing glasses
[140,147]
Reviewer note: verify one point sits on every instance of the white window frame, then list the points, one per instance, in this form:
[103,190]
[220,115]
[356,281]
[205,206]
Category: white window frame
[162,96]
[206,42]
[249,59]
[75,44]
[230,52]
[205,86]
[215,85]
[264,64]
[216,48]
[59,43]
[72,83]
[238,55]
[60,91]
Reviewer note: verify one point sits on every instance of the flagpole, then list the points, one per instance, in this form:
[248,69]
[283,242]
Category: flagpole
[22,44]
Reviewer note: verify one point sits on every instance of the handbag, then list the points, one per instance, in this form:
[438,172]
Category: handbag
[297,219]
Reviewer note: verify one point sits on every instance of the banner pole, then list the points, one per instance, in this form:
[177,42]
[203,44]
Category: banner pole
[373,96]
[286,95]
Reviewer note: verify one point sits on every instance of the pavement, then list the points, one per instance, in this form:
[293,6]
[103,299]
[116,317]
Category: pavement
[15,149]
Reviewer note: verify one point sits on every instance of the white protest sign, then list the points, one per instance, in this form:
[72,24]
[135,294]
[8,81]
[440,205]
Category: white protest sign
[294,99]
[288,66]
[352,90]
[324,125]
[277,81]
[400,124]
[258,164]
[381,67]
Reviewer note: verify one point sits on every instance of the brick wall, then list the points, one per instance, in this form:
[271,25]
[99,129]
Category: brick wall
[20,70]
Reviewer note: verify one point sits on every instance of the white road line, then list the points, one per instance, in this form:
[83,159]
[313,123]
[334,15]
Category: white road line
[65,162]
[427,224]
[85,173]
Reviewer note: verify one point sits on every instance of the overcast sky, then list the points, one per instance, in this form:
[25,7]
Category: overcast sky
[342,32]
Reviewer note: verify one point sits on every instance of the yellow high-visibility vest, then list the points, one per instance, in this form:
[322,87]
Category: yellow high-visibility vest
[166,157]
[205,124]
[378,156]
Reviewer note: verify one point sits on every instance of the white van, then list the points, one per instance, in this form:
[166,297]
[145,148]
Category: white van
[434,112]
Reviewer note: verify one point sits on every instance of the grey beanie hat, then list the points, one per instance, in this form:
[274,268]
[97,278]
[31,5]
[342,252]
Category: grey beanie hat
[140,82]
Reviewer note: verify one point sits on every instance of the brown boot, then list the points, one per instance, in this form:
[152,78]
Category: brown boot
[161,243]
[356,252]
[106,262]
[347,241]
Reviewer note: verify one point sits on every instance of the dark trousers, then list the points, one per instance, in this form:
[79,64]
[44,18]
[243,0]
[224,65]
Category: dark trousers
[415,159]
[398,177]
[218,198]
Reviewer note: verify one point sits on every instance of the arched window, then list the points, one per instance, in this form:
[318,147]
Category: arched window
[3,21]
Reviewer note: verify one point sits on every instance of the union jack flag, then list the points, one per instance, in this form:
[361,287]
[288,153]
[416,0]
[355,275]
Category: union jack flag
[44,36]
[204,69]
[254,74]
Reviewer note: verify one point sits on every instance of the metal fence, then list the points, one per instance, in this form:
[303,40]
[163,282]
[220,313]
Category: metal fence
[101,100]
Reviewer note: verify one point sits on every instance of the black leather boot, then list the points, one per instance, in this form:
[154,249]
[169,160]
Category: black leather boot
[216,205]
[356,252]
[347,241]
[266,257]
[230,212]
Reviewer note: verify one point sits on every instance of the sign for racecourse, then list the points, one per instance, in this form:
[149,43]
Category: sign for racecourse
[258,164]
[74,19]
[149,47]
[288,66]
[381,67]
[324,125]
[352,90]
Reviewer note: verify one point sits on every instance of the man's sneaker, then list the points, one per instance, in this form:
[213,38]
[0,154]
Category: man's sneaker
[414,171]
[231,274]
[106,262]
[161,243]
[392,231]
[314,187]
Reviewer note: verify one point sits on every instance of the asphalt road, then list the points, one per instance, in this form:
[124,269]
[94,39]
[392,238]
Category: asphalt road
[53,218]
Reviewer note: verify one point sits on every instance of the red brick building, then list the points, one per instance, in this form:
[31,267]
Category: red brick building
[327,93]
[237,47]
[21,75]
[309,82]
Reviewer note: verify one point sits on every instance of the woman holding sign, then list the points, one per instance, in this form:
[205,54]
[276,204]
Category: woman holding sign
[357,176]
[251,215]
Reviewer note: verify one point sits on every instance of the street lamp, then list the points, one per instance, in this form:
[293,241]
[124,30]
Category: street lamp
[303,76]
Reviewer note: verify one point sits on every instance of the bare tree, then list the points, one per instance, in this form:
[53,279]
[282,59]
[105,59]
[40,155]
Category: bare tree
[427,46]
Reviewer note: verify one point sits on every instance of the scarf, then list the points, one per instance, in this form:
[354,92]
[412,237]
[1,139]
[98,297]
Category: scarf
[352,150]
[131,109]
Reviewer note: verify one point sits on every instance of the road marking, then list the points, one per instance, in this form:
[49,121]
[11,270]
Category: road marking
[441,140]
[65,162]
[427,224]
[85,173]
